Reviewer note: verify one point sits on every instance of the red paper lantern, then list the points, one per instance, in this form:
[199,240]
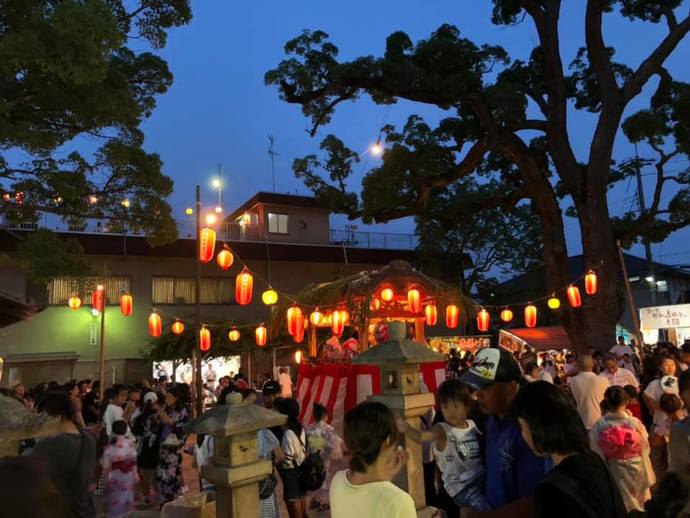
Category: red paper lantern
[243,287]
[299,331]
[414,300]
[225,259]
[204,340]
[374,304]
[506,315]
[574,296]
[155,325]
[452,314]
[387,294]
[98,298]
[431,314]
[126,304]
[483,320]
[591,283]
[74,302]
[316,318]
[261,335]
[294,317]
[177,328]
[531,315]
[207,245]
[338,322]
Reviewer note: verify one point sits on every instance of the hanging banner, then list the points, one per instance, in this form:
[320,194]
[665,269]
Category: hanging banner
[665,317]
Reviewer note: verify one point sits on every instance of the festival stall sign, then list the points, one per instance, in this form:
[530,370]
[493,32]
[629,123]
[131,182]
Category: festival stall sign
[552,338]
[675,318]
[444,344]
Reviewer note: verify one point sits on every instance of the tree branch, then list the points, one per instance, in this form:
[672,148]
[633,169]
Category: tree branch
[598,55]
[530,124]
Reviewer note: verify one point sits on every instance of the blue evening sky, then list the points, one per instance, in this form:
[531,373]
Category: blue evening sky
[219,111]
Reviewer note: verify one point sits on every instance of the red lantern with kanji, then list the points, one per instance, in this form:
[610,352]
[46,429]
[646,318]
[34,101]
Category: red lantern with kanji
[574,296]
[387,294]
[338,322]
[294,317]
[155,325]
[126,304]
[452,314]
[207,244]
[506,315]
[431,314]
[483,320]
[177,328]
[74,302]
[316,317]
[98,298]
[299,331]
[591,283]
[243,287]
[531,315]
[414,300]
[204,339]
[261,335]
[224,259]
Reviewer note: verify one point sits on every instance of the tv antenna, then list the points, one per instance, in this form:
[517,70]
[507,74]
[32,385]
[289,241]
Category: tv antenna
[272,153]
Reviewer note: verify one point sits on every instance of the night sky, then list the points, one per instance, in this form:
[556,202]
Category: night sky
[218,110]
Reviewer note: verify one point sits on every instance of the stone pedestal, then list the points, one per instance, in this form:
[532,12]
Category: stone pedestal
[18,423]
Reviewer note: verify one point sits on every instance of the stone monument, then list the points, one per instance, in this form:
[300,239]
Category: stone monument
[398,360]
[18,423]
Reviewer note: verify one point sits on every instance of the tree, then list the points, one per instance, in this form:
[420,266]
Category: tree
[70,75]
[44,256]
[494,128]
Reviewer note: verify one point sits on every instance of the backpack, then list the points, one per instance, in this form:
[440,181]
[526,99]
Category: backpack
[312,471]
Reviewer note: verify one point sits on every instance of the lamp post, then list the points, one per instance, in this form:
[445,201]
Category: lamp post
[196,357]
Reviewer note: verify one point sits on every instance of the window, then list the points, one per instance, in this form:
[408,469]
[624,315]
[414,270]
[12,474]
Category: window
[180,290]
[277,223]
[662,286]
[61,289]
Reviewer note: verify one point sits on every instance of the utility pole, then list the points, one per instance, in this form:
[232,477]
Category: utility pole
[647,244]
[101,348]
[196,359]
[272,153]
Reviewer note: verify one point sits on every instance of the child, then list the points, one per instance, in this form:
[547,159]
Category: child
[672,406]
[120,471]
[621,440]
[634,407]
[456,447]
[322,436]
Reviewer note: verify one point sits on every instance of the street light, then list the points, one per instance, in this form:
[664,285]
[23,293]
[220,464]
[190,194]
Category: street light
[211,219]
[377,148]
[216,183]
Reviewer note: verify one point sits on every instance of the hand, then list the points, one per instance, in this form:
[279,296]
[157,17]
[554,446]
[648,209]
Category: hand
[278,455]
[398,461]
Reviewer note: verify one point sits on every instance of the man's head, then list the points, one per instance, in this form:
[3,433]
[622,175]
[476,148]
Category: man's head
[532,370]
[496,376]
[610,364]
[586,363]
[282,370]
[621,340]
[18,389]
[271,390]
[684,354]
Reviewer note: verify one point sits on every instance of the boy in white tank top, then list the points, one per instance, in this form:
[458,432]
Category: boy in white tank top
[457,447]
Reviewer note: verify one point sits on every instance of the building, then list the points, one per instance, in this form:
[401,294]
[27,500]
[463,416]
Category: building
[285,240]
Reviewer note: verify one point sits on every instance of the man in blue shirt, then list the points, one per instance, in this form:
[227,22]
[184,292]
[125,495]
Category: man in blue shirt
[512,470]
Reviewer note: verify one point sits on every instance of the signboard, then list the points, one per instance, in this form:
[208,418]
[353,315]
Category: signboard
[443,344]
[93,333]
[665,317]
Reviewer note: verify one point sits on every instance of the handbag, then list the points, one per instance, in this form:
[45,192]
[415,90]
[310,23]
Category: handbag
[267,486]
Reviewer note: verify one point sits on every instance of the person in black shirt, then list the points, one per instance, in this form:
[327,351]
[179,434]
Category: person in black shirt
[580,485]
[454,362]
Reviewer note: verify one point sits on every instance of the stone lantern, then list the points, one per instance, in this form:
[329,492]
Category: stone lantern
[236,468]
[18,423]
[398,360]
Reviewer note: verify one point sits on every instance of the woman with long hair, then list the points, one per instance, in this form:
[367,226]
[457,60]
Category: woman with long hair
[295,451]
[172,415]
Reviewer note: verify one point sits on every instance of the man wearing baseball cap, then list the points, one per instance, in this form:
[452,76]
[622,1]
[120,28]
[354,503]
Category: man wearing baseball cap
[512,470]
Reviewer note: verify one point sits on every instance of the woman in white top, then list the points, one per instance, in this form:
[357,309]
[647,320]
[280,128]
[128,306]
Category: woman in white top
[294,451]
[365,490]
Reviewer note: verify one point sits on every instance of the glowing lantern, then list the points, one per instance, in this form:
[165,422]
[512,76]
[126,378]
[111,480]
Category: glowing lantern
[374,304]
[155,325]
[387,294]
[431,314]
[298,356]
[345,315]
[98,298]
[574,296]
[207,245]
[338,322]
[204,339]
[299,332]
[294,319]
[225,259]
[269,297]
[234,335]
[177,328]
[316,318]
[452,313]
[126,304]
[74,302]
[591,285]
[531,315]
[483,319]
[414,300]
[554,302]
[506,315]
[243,288]
[261,335]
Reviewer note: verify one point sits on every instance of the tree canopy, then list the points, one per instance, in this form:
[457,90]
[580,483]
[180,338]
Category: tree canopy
[508,128]
[72,76]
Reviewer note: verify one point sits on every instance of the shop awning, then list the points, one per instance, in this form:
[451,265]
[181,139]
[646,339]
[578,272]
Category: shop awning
[542,338]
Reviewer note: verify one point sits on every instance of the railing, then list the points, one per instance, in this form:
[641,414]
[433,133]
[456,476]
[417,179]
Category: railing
[231,231]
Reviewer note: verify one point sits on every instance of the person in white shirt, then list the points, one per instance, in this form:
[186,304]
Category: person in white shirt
[115,412]
[285,383]
[588,390]
[618,376]
[534,373]
[621,348]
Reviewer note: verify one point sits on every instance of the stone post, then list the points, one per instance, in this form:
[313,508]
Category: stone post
[18,423]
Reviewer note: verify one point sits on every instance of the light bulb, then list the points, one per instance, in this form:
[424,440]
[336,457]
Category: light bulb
[216,183]
[377,149]
[219,209]
[211,219]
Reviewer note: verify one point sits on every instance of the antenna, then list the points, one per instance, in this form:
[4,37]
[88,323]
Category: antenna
[272,153]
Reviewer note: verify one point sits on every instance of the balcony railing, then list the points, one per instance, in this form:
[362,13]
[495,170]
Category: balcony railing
[231,231]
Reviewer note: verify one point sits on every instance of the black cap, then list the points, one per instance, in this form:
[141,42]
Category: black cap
[492,366]
[271,388]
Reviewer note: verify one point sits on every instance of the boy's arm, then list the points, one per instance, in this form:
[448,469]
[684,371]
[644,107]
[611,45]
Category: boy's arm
[420,436]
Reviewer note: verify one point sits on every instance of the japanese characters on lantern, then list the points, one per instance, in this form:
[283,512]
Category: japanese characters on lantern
[224,259]
[207,245]
[243,287]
